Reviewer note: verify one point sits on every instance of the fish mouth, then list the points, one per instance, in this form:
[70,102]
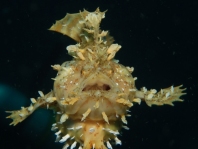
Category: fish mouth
[97,82]
[97,86]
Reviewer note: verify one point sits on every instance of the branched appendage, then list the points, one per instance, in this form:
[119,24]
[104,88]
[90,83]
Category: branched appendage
[84,27]
[164,96]
[20,115]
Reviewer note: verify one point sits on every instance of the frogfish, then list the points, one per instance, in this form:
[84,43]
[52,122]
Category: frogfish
[92,93]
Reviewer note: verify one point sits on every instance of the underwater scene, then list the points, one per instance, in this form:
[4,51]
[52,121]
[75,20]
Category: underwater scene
[99,75]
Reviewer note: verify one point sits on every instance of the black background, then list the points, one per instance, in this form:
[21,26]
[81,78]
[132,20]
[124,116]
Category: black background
[159,39]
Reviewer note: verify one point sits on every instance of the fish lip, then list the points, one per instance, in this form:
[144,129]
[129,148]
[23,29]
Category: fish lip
[98,85]
[97,81]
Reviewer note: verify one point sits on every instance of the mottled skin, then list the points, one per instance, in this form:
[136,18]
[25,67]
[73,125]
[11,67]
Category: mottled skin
[92,93]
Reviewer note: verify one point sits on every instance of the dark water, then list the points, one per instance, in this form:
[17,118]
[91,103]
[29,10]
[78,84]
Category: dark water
[159,39]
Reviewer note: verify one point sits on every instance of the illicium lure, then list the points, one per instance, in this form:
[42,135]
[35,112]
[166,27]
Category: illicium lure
[92,93]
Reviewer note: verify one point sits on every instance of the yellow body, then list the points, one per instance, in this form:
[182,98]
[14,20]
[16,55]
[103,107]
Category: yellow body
[92,93]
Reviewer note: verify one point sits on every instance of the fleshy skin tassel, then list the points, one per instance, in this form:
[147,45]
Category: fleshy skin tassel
[92,93]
